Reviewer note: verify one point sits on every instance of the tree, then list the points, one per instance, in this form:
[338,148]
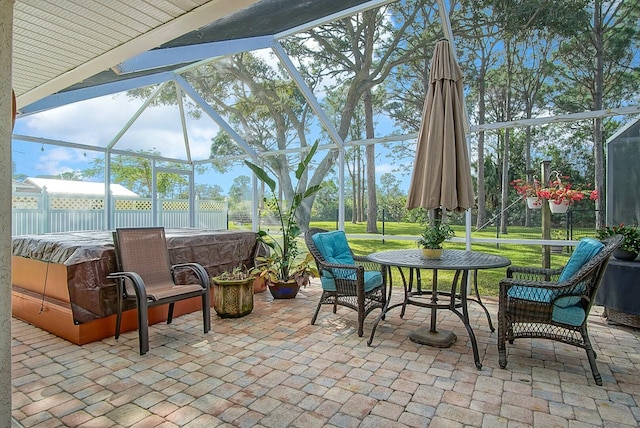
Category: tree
[391,198]
[599,67]
[240,190]
[208,192]
[359,52]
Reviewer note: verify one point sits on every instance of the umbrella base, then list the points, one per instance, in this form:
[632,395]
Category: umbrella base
[438,339]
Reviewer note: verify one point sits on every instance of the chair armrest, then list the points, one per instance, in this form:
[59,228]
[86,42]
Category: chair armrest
[199,271]
[331,266]
[534,274]
[556,289]
[134,278]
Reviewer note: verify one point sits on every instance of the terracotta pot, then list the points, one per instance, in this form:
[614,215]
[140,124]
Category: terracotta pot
[259,285]
[232,298]
[284,289]
[432,253]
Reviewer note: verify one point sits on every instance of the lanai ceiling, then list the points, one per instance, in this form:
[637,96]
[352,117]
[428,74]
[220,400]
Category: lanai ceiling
[61,46]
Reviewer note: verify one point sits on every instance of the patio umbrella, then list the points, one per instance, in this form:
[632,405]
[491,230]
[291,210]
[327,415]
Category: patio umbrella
[441,171]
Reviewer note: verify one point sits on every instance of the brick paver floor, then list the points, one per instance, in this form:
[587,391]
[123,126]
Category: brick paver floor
[273,369]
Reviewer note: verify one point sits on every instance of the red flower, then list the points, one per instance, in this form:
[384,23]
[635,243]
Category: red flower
[559,191]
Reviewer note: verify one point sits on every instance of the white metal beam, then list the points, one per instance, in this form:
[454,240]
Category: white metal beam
[214,115]
[308,94]
[184,54]
[68,97]
[183,122]
[135,117]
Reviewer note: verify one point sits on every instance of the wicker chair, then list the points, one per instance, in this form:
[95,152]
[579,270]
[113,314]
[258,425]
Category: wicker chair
[347,280]
[554,303]
[147,278]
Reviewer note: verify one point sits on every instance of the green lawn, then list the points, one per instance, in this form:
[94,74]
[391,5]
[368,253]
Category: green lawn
[521,255]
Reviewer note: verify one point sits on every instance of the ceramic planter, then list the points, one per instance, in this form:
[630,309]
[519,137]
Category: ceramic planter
[560,208]
[232,298]
[534,202]
[284,289]
[624,255]
[432,253]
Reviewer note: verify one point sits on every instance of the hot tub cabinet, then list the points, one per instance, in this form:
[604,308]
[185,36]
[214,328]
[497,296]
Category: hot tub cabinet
[59,281]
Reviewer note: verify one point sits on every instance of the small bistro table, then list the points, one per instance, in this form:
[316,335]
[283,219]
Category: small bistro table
[459,261]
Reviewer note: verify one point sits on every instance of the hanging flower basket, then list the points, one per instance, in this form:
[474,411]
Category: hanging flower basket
[561,194]
[534,202]
[558,207]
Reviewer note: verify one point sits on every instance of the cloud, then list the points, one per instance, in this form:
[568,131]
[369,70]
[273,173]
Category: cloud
[97,122]
[53,161]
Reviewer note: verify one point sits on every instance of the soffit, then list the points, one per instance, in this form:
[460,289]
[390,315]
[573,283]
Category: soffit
[58,43]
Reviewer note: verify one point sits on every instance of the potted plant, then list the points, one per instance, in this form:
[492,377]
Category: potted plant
[529,191]
[434,234]
[630,247]
[233,293]
[561,195]
[281,269]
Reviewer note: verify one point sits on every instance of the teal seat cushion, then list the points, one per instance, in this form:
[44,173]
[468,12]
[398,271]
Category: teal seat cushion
[334,247]
[543,295]
[372,280]
[572,315]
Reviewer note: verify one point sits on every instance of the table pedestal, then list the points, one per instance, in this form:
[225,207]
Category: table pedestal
[438,339]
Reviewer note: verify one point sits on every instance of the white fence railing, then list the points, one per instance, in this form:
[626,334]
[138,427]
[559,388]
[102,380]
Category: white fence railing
[37,213]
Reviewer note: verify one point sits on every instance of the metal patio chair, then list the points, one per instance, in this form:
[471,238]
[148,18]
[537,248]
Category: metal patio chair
[147,277]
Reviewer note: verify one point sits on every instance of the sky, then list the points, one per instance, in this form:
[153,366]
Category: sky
[98,121]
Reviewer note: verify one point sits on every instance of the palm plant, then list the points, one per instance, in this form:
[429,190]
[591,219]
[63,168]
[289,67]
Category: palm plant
[281,265]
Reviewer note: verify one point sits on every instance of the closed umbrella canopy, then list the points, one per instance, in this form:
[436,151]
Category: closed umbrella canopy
[441,171]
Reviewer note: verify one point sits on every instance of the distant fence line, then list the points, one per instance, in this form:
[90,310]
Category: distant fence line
[37,213]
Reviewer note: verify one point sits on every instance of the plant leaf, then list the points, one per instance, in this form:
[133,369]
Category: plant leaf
[303,165]
[262,175]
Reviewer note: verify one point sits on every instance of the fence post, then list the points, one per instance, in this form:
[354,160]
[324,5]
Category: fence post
[46,210]
[546,217]
[383,212]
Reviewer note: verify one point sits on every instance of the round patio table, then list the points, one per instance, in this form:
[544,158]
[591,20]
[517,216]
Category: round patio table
[454,300]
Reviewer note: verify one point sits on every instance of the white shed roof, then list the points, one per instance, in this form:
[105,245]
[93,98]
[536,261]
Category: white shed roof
[78,187]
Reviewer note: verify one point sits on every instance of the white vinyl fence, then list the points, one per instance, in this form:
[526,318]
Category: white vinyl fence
[37,213]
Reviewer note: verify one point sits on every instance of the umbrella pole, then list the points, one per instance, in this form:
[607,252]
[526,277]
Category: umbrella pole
[431,336]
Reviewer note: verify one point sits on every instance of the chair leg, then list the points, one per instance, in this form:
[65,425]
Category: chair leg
[143,327]
[591,355]
[360,322]
[170,314]
[206,312]
[502,347]
[315,315]
[118,310]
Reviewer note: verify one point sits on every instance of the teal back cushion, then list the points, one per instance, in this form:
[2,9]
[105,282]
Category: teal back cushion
[587,248]
[334,247]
